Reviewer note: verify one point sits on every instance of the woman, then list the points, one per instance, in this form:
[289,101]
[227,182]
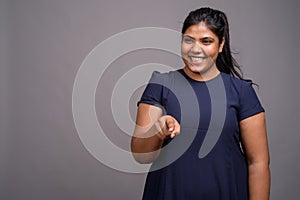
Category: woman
[237,168]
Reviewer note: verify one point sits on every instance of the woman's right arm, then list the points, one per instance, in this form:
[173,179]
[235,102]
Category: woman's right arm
[150,132]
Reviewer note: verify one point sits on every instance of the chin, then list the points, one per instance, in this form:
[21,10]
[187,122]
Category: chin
[196,69]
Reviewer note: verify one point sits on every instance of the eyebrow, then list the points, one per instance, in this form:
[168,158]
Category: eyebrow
[188,36]
[204,38]
[208,38]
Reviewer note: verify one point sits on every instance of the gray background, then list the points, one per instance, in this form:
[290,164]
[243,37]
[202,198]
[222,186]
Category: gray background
[42,44]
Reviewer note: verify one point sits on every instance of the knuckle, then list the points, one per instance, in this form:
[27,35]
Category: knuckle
[157,126]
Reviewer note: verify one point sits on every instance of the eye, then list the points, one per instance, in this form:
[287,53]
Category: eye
[188,40]
[207,41]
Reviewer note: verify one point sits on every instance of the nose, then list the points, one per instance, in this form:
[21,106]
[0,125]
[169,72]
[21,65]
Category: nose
[196,48]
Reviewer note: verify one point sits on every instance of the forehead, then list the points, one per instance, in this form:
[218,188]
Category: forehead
[199,30]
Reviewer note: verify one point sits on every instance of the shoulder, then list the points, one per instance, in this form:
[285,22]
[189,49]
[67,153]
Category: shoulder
[235,83]
[161,77]
[164,74]
[247,101]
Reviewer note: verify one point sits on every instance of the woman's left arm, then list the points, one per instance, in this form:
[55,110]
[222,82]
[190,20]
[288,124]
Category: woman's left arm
[255,143]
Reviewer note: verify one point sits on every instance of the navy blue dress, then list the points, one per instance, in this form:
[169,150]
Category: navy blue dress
[180,172]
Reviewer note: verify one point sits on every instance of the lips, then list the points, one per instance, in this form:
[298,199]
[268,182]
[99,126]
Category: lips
[196,60]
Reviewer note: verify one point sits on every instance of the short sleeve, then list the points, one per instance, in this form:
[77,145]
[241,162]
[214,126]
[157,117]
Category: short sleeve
[153,93]
[249,102]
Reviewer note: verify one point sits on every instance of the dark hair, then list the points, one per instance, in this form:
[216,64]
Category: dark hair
[217,22]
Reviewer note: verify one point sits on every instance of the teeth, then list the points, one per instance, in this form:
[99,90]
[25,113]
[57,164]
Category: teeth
[196,59]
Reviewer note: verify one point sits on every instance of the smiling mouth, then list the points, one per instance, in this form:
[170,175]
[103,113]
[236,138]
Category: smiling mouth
[196,60]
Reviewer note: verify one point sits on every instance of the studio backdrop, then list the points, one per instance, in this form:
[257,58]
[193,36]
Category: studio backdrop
[72,72]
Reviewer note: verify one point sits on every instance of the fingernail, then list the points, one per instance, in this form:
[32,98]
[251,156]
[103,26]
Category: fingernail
[170,129]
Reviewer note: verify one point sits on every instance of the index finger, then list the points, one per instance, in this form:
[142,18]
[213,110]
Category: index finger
[170,124]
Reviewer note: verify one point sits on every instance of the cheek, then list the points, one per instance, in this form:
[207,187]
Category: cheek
[184,49]
[212,51]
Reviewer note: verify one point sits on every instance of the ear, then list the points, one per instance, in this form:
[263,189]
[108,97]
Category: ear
[221,45]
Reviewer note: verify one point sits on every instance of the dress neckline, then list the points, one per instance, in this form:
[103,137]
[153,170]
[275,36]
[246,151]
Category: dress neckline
[197,81]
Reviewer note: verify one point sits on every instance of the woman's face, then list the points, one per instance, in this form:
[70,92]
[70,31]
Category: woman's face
[199,49]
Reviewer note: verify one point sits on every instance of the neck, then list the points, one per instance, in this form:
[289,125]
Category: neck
[203,76]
